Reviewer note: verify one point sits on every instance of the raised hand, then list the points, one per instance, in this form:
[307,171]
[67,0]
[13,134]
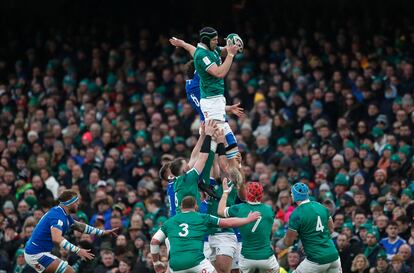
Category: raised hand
[177,42]
[210,127]
[232,49]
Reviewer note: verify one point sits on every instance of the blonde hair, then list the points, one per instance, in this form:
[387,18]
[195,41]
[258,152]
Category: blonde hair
[362,256]
[236,176]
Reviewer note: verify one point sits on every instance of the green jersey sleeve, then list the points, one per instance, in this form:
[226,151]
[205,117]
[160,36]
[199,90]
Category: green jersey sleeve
[233,211]
[191,176]
[294,221]
[164,228]
[211,221]
[204,60]
[207,168]
[219,49]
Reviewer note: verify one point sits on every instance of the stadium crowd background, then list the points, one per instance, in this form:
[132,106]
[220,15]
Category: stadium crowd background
[98,105]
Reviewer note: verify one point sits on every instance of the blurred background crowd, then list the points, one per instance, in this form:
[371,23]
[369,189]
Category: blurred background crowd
[97,105]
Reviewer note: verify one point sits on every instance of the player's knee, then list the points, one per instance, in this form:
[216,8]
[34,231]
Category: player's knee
[64,267]
[223,263]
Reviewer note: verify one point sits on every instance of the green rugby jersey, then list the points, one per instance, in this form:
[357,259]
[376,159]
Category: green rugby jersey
[186,232]
[310,221]
[204,58]
[256,235]
[184,185]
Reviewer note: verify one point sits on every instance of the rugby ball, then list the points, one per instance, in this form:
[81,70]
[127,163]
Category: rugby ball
[234,39]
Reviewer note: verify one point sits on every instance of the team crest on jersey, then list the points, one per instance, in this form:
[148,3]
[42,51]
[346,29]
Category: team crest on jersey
[60,223]
[206,60]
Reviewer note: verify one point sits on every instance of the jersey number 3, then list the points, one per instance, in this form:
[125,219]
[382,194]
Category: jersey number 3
[184,232]
[319,225]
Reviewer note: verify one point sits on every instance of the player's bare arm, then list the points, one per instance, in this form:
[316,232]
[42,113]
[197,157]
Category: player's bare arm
[197,147]
[58,239]
[238,222]
[210,129]
[84,228]
[181,43]
[156,240]
[223,201]
[331,225]
[290,237]
[222,70]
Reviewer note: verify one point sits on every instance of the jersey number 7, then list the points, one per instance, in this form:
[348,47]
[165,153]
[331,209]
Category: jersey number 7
[256,224]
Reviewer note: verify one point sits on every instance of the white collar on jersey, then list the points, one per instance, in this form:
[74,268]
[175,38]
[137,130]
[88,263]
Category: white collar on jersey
[202,46]
[63,210]
[254,203]
[304,202]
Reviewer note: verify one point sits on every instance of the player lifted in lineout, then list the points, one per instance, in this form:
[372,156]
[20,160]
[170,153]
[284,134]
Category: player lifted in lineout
[211,72]
[311,223]
[51,229]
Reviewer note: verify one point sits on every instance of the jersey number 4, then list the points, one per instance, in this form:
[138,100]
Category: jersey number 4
[319,225]
[184,232]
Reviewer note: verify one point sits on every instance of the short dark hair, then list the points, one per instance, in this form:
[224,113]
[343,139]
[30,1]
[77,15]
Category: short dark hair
[360,211]
[188,202]
[66,195]
[176,166]
[163,170]
[392,223]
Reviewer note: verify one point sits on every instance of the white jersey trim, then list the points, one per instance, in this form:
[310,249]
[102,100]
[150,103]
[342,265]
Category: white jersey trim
[159,235]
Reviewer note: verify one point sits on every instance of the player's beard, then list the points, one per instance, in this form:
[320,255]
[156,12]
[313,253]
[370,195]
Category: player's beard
[73,209]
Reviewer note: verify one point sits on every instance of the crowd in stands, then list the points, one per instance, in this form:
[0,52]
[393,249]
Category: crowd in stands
[333,109]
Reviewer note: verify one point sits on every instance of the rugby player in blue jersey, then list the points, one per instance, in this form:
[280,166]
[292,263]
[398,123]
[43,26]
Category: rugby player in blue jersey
[51,229]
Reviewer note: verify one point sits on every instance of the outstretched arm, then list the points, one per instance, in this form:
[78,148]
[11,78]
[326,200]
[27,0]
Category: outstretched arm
[222,70]
[237,222]
[211,127]
[197,147]
[223,201]
[180,43]
[87,229]
[58,239]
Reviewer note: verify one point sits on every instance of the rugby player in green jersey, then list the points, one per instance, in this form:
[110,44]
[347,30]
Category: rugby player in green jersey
[256,252]
[186,232]
[311,223]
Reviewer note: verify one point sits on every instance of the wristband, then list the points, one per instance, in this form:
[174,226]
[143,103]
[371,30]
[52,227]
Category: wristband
[213,146]
[155,249]
[220,149]
[68,246]
[93,230]
[205,148]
